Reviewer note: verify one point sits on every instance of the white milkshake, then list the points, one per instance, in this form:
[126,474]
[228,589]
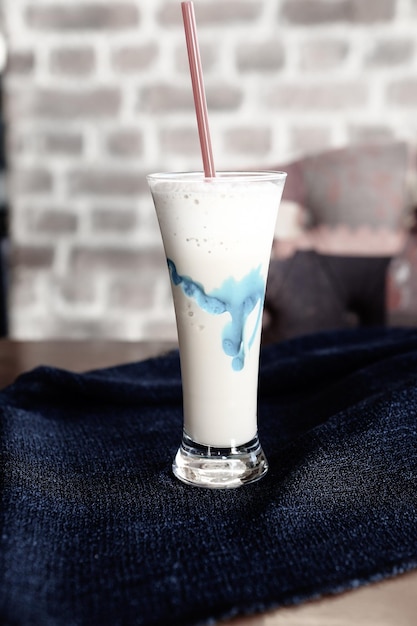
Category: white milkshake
[217,236]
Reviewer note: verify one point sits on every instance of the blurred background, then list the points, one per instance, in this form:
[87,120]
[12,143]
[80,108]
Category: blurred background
[96,94]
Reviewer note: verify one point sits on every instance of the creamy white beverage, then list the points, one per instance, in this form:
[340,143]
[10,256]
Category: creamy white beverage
[217,235]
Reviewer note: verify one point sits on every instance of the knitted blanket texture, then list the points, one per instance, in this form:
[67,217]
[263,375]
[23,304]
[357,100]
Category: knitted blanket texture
[95,530]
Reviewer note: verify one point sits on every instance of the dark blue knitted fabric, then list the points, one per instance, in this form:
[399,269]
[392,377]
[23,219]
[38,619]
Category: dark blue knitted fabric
[96,531]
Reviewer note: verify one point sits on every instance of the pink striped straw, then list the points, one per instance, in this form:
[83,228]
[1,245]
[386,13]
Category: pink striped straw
[198,88]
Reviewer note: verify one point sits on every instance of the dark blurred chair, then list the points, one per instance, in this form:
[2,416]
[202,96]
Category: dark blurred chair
[341,224]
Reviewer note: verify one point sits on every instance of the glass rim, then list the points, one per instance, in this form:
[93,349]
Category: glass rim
[221,176]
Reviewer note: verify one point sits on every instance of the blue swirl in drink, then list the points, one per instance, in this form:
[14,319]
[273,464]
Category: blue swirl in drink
[238,298]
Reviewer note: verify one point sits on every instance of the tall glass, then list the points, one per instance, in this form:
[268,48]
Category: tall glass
[217,235]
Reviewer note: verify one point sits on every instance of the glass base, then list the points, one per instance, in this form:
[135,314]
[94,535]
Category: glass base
[219,468]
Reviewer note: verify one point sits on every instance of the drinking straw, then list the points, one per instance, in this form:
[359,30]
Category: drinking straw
[198,87]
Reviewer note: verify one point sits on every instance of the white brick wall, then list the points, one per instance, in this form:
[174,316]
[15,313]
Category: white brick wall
[98,94]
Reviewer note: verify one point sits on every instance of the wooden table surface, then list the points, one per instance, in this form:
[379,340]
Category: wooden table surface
[392,602]
[79,356]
